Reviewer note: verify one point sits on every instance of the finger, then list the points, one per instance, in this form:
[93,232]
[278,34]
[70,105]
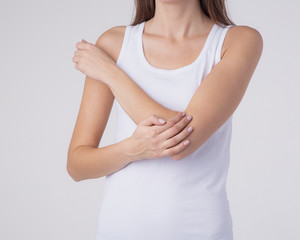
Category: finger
[77,66]
[176,149]
[82,45]
[171,122]
[77,52]
[174,130]
[153,120]
[173,141]
[75,59]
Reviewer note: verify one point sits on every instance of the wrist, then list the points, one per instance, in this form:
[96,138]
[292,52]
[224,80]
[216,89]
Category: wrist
[128,150]
[112,75]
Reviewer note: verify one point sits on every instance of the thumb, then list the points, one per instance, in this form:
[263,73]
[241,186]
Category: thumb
[153,120]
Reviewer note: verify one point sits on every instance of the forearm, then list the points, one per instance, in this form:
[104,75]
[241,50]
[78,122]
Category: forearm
[86,162]
[132,97]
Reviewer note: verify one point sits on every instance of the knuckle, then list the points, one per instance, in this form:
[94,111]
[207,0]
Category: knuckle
[153,142]
[157,154]
[174,141]
[172,122]
[153,132]
[175,129]
[171,152]
[161,155]
[178,127]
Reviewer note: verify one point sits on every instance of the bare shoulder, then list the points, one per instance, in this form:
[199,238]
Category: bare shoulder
[111,41]
[243,37]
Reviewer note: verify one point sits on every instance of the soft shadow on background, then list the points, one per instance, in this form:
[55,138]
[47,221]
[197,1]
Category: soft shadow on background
[40,96]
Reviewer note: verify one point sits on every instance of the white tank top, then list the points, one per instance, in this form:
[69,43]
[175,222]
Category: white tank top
[165,199]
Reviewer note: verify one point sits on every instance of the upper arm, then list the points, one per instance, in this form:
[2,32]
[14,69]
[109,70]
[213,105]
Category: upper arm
[97,98]
[221,91]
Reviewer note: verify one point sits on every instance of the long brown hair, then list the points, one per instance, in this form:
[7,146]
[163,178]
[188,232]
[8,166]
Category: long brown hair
[214,9]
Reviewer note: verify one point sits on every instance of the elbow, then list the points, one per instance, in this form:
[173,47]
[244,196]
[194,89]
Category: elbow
[72,170]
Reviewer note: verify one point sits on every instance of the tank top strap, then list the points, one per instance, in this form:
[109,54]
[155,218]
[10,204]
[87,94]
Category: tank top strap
[129,42]
[220,41]
[130,46]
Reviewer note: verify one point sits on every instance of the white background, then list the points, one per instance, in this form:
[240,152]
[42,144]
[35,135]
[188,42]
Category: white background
[40,96]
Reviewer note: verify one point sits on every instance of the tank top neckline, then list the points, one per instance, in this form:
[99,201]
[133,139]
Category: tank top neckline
[176,70]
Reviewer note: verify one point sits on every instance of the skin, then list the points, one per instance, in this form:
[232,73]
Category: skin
[212,104]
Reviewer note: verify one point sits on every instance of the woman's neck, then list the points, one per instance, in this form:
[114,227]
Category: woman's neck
[177,20]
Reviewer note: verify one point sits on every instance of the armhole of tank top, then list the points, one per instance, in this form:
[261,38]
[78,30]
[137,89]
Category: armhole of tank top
[124,44]
[221,42]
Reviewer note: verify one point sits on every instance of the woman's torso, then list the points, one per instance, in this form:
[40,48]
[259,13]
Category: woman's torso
[162,198]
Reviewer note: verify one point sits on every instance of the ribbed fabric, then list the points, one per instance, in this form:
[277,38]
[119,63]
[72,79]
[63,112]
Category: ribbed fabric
[164,199]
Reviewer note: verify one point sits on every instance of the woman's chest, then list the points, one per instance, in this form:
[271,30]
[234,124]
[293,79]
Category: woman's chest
[174,90]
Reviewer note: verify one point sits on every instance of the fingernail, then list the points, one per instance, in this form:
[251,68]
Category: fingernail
[190,129]
[186,142]
[161,120]
[189,117]
[183,114]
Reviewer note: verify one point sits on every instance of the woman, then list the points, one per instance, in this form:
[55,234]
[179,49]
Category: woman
[177,57]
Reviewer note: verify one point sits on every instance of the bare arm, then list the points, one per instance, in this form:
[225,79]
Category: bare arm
[86,160]
[216,98]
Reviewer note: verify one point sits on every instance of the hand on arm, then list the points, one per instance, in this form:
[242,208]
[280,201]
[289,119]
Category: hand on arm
[214,101]
[151,139]
[93,61]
